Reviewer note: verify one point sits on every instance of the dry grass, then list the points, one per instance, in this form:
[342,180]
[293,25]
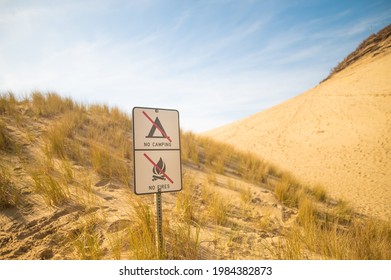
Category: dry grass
[98,135]
[109,165]
[96,139]
[222,158]
[67,171]
[373,42]
[265,222]
[51,181]
[5,142]
[65,128]
[50,104]
[360,240]
[245,195]
[183,241]
[334,234]
[8,104]
[189,147]
[288,191]
[185,206]
[53,192]
[331,233]
[9,195]
[252,168]
[216,205]
[87,239]
[141,235]
[319,193]
[137,240]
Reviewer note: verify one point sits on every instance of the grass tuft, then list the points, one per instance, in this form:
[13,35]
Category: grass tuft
[6,143]
[50,104]
[53,192]
[8,104]
[320,193]
[183,241]
[217,206]
[87,239]
[185,200]
[9,195]
[288,191]
[141,237]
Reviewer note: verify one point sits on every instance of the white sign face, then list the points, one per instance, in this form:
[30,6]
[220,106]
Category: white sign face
[156,150]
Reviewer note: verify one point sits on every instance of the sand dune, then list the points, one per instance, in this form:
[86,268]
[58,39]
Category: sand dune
[55,207]
[337,134]
[66,186]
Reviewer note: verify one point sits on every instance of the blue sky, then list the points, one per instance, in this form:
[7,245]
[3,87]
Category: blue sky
[215,61]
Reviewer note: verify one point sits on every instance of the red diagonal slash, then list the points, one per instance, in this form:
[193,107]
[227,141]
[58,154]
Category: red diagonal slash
[161,131]
[158,168]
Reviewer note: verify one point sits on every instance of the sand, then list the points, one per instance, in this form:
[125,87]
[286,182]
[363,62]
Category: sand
[99,213]
[337,134]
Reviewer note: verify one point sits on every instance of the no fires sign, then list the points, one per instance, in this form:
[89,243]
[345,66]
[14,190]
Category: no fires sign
[156,150]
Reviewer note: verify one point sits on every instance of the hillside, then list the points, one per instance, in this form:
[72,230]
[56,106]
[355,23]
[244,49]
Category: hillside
[337,134]
[372,46]
[66,192]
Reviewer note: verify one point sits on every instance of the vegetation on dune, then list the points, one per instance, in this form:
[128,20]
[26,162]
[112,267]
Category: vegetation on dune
[373,45]
[9,194]
[324,227]
[5,142]
[71,143]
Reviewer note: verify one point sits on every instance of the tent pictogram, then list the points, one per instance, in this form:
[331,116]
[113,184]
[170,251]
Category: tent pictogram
[156,125]
[151,133]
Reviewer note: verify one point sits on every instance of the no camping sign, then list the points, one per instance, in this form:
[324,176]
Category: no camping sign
[156,150]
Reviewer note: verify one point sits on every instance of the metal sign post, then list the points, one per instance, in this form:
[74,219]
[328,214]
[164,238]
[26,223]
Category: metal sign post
[159,224]
[156,158]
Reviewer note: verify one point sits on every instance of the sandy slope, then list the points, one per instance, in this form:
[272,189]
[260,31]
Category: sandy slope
[98,214]
[337,134]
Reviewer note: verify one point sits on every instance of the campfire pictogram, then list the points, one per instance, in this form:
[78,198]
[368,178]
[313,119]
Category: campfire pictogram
[159,173]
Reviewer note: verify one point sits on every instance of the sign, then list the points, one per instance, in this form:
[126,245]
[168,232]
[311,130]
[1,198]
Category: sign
[156,150]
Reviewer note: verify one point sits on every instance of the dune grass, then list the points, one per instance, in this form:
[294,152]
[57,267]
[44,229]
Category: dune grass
[97,139]
[141,235]
[87,239]
[321,230]
[51,104]
[54,192]
[359,240]
[331,231]
[96,136]
[137,239]
[189,147]
[288,191]
[222,158]
[216,206]
[183,241]
[184,203]
[9,195]
[5,142]
[109,165]
[8,104]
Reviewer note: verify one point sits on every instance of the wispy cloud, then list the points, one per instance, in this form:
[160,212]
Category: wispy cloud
[214,61]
